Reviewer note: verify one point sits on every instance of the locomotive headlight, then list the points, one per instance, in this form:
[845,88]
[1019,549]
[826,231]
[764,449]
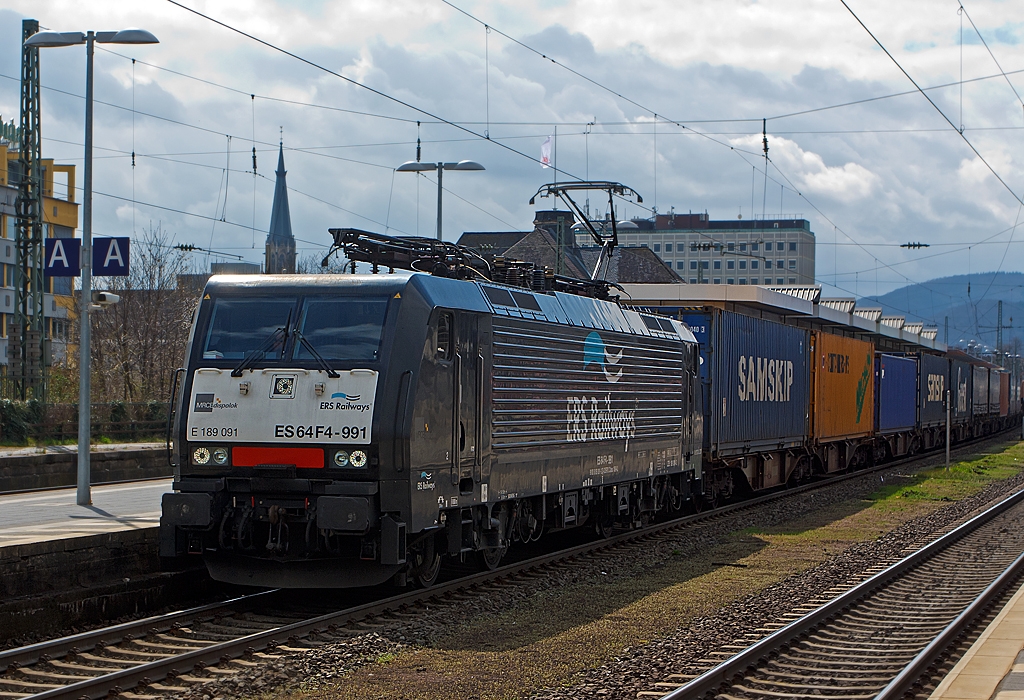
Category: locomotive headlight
[220,455]
[341,458]
[201,455]
[357,459]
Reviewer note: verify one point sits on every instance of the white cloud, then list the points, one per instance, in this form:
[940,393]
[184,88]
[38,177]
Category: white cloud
[885,171]
[848,182]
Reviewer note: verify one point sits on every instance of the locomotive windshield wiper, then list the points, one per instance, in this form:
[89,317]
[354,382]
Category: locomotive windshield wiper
[264,346]
[316,355]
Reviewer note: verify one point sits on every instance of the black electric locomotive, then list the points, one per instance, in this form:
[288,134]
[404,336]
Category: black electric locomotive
[343,430]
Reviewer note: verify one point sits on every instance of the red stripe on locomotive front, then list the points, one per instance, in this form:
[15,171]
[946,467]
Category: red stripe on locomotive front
[302,457]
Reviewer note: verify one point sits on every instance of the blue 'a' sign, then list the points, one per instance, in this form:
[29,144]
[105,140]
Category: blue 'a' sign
[110,256]
[62,257]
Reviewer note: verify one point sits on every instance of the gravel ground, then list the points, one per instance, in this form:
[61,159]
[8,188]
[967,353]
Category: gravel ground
[315,673]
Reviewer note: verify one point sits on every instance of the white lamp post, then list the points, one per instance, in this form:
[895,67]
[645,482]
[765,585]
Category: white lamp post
[415,166]
[47,40]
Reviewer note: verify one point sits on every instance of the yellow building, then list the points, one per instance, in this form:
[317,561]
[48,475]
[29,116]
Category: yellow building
[60,219]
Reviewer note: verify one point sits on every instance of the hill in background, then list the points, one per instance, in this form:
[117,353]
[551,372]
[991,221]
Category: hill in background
[972,315]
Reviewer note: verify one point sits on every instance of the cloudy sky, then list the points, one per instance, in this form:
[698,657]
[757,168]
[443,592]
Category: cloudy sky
[868,176]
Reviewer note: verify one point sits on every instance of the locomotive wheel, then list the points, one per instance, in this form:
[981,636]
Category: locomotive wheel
[604,526]
[490,558]
[427,565]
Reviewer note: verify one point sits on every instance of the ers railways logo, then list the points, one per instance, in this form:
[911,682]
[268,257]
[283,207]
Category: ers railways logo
[595,352]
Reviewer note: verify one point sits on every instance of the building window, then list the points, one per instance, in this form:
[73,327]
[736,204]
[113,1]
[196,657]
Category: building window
[693,246]
[792,246]
[753,264]
[767,264]
[781,264]
[732,246]
[768,245]
[681,265]
[657,247]
[693,280]
[779,280]
[743,247]
[730,281]
[718,280]
[743,280]
[704,264]
[792,280]
[718,264]
[753,246]
[668,247]
[753,280]
[693,264]
[792,264]
[743,264]
[730,264]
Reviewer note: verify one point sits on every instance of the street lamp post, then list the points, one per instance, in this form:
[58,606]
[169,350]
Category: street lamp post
[50,39]
[415,166]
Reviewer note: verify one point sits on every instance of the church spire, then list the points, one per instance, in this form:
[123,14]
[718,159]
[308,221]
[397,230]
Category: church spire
[280,256]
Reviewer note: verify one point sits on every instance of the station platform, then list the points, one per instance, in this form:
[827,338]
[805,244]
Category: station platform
[29,518]
[993,668]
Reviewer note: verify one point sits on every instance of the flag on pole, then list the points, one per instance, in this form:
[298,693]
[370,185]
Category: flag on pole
[545,153]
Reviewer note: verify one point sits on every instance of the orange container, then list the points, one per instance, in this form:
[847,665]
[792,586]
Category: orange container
[1004,394]
[844,387]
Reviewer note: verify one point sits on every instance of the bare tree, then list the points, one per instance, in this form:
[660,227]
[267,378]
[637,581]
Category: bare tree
[312,265]
[137,343]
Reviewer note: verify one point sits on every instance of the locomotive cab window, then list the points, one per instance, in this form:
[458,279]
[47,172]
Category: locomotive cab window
[341,328]
[444,336]
[241,326]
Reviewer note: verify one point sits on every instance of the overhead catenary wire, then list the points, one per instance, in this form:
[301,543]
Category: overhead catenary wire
[932,103]
[355,82]
[766,169]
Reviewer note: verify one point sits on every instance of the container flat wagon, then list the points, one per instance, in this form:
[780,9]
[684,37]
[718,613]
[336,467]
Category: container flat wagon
[756,386]
[896,405]
[933,384]
[842,403]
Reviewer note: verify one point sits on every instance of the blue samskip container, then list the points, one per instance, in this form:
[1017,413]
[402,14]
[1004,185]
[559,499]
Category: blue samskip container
[756,382]
[895,393]
[931,390]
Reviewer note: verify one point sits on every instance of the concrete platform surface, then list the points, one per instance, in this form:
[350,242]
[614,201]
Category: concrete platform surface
[993,668]
[27,518]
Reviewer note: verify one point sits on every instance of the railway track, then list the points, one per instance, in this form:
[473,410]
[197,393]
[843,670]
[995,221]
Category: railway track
[884,636]
[169,654]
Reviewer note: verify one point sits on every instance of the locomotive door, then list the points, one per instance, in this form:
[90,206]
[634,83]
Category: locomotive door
[467,399]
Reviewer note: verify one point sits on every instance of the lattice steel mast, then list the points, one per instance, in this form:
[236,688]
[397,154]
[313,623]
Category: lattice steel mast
[26,337]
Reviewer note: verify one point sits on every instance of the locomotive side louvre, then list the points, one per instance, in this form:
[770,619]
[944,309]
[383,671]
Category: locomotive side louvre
[583,407]
[843,398]
[896,382]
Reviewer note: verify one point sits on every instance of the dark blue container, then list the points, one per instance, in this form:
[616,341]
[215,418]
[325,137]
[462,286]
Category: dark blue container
[756,382]
[980,386]
[931,389]
[962,387]
[895,393]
